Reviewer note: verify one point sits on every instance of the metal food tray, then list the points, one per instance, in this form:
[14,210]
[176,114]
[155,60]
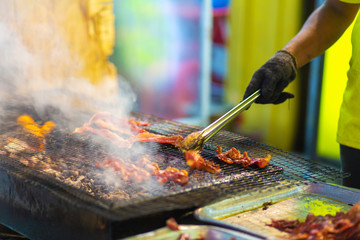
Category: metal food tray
[195,232]
[290,200]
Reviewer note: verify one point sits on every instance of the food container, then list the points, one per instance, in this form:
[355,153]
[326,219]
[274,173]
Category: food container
[252,211]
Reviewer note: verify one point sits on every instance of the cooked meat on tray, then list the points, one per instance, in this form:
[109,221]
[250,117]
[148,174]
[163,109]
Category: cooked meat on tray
[341,226]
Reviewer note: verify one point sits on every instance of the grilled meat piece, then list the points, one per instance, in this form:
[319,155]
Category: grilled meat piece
[128,171]
[124,132]
[169,174]
[150,137]
[112,123]
[143,169]
[113,137]
[234,156]
[196,161]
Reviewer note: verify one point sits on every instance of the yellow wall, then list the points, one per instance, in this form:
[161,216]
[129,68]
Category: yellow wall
[259,28]
[336,65]
[59,44]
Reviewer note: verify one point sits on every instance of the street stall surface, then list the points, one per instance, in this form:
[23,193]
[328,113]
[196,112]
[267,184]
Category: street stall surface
[71,183]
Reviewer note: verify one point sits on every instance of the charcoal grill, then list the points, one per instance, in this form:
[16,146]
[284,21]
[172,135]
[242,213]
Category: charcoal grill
[40,205]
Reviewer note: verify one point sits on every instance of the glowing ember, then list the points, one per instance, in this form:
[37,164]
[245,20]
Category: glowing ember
[39,132]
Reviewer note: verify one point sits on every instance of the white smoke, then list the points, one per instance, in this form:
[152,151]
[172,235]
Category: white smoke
[44,73]
[36,62]
[14,61]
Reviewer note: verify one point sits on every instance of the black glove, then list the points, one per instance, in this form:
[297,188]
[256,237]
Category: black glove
[272,78]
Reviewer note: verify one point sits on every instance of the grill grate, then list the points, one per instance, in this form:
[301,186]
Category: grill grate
[122,200]
[295,166]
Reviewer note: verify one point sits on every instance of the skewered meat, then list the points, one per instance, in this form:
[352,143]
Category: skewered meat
[340,226]
[196,161]
[234,156]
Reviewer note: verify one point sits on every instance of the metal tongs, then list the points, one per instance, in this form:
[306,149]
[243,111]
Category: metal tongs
[196,140]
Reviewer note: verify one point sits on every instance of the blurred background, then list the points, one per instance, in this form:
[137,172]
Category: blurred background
[184,60]
[191,60]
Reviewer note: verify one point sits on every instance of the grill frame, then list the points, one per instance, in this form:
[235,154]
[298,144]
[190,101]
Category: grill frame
[20,181]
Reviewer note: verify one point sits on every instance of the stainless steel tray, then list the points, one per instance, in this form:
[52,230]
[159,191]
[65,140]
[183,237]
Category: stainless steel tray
[195,231]
[251,211]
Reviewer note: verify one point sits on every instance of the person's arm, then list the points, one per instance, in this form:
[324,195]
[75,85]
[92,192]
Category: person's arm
[324,26]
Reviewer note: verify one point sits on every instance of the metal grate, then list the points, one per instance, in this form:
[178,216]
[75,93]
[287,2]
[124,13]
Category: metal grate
[294,166]
[122,200]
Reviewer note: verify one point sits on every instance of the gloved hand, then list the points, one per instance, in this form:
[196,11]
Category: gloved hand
[272,78]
